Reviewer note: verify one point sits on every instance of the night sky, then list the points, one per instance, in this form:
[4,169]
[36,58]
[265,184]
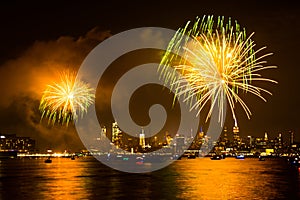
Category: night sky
[38,39]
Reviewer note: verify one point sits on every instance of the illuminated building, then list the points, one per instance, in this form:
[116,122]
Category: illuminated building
[201,133]
[236,136]
[103,131]
[154,142]
[279,138]
[224,141]
[115,132]
[278,142]
[260,144]
[266,136]
[20,144]
[102,134]
[179,143]
[142,142]
[167,139]
[291,138]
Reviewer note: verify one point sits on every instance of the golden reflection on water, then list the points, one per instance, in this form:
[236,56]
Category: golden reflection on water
[86,178]
[230,178]
[62,180]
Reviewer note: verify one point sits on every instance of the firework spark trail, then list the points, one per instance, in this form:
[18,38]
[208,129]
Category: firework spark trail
[217,62]
[64,101]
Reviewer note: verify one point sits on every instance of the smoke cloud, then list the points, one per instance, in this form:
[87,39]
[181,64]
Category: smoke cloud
[23,80]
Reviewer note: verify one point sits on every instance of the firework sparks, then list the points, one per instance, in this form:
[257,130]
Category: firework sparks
[64,101]
[217,60]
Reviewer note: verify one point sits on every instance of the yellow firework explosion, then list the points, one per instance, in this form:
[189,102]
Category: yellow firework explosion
[64,101]
[217,60]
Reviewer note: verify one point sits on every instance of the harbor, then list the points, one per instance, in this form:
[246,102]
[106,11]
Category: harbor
[86,178]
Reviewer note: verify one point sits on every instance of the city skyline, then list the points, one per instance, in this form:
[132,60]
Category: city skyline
[229,137]
[31,56]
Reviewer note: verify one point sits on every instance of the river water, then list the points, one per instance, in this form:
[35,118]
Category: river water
[200,178]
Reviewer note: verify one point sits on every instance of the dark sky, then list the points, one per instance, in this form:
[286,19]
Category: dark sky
[26,26]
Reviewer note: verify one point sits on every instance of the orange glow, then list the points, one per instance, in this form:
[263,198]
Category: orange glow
[65,185]
[196,178]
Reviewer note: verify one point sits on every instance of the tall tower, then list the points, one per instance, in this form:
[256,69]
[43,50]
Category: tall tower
[103,131]
[201,133]
[142,138]
[280,139]
[115,132]
[291,138]
[236,136]
[224,139]
[266,137]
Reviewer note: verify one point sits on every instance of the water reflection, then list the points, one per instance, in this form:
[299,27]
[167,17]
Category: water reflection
[236,179]
[64,178]
[86,178]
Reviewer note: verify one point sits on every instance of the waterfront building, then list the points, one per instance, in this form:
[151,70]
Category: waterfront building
[278,143]
[250,142]
[224,139]
[179,143]
[14,143]
[103,131]
[142,142]
[266,137]
[115,132]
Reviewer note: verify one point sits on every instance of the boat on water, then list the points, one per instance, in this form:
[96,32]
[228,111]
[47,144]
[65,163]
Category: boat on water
[48,160]
[216,157]
[294,161]
[240,156]
[136,158]
[139,160]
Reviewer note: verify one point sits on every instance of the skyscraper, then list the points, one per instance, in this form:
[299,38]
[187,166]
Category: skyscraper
[236,136]
[266,137]
[279,142]
[103,131]
[142,142]
[280,139]
[291,138]
[224,140]
[115,132]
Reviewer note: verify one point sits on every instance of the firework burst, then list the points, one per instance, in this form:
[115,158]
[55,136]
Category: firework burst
[217,61]
[64,101]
